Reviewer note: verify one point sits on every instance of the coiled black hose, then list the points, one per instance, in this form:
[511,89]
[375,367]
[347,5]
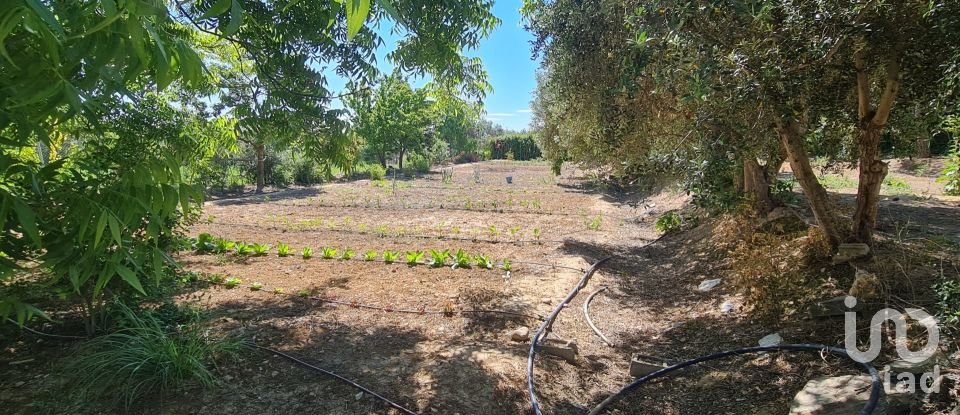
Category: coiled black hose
[875,386]
[545,327]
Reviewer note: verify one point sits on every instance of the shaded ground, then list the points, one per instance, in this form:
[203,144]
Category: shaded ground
[466,364]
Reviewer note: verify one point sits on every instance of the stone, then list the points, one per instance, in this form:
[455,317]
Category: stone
[708,285]
[726,307]
[850,251]
[771,340]
[521,334]
[639,367]
[833,307]
[846,395]
[565,349]
[918,368]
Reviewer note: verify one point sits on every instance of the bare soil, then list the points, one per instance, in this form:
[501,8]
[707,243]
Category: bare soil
[466,363]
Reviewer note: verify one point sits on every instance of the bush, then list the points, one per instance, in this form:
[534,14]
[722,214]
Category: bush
[515,147]
[143,359]
[419,164]
[669,222]
[948,301]
[306,172]
[377,172]
[465,157]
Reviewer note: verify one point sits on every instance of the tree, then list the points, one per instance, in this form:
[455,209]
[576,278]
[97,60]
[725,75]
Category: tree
[393,119]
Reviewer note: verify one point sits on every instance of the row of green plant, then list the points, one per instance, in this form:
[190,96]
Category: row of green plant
[206,243]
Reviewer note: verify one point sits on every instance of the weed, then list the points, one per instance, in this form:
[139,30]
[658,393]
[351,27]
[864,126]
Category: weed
[283,250]
[347,254]
[484,261]
[439,258]
[307,252]
[896,186]
[329,253]
[370,256]
[514,231]
[256,286]
[413,257]
[492,230]
[948,301]
[390,257]
[144,359]
[668,222]
[595,223]
[462,259]
[834,181]
[536,234]
[205,243]
[232,282]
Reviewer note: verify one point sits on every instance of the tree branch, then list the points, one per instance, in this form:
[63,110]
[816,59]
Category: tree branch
[863,86]
[889,91]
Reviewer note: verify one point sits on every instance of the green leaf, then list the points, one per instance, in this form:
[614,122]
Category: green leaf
[218,8]
[115,229]
[44,13]
[28,221]
[185,199]
[391,10]
[101,225]
[236,18]
[357,11]
[130,277]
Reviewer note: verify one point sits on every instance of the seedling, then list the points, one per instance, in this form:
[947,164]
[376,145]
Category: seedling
[390,257]
[413,257]
[304,293]
[278,290]
[283,249]
[506,265]
[484,261]
[536,234]
[595,223]
[514,231]
[256,286]
[462,259]
[493,231]
[329,253]
[204,243]
[223,245]
[307,252]
[242,249]
[370,256]
[232,282]
[216,278]
[439,258]
[260,249]
[347,254]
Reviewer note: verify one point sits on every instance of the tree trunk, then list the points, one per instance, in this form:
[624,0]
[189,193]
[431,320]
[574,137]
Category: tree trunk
[792,141]
[872,172]
[383,160]
[756,186]
[923,148]
[261,156]
[400,159]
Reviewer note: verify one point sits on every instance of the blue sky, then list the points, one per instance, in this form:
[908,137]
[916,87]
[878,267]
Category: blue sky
[506,56]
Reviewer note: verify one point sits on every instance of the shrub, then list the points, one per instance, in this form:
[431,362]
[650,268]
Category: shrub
[144,359]
[668,222]
[419,164]
[519,146]
[950,176]
[948,301]
[377,172]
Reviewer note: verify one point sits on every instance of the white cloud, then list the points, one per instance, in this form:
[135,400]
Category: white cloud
[494,119]
[525,111]
[501,114]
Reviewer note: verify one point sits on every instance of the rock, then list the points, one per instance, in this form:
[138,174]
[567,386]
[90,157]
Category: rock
[726,307]
[565,349]
[919,368]
[521,334]
[640,367]
[708,285]
[833,307]
[846,395]
[850,251]
[771,340]
[865,286]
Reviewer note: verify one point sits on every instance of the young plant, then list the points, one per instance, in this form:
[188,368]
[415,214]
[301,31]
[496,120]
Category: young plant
[304,293]
[242,249]
[329,253]
[462,259]
[390,257]
[307,252]
[283,250]
[347,254]
[370,256]
[260,249]
[439,258]
[216,278]
[514,231]
[413,257]
[595,223]
[205,243]
[232,282]
[278,290]
[506,265]
[536,234]
[256,286]
[492,230]
[484,261]
[223,245]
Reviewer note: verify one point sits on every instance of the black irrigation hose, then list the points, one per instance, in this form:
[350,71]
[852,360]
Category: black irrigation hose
[586,316]
[424,310]
[335,376]
[545,326]
[40,333]
[875,385]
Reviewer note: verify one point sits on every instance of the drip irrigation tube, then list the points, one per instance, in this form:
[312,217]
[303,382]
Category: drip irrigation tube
[335,376]
[871,405]
[40,333]
[545,327]
[586,316]
[424,310]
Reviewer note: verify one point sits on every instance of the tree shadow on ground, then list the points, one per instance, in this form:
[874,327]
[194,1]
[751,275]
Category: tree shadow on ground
[266,197]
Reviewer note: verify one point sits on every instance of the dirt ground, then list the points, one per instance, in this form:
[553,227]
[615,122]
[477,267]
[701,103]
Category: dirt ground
[550,228]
